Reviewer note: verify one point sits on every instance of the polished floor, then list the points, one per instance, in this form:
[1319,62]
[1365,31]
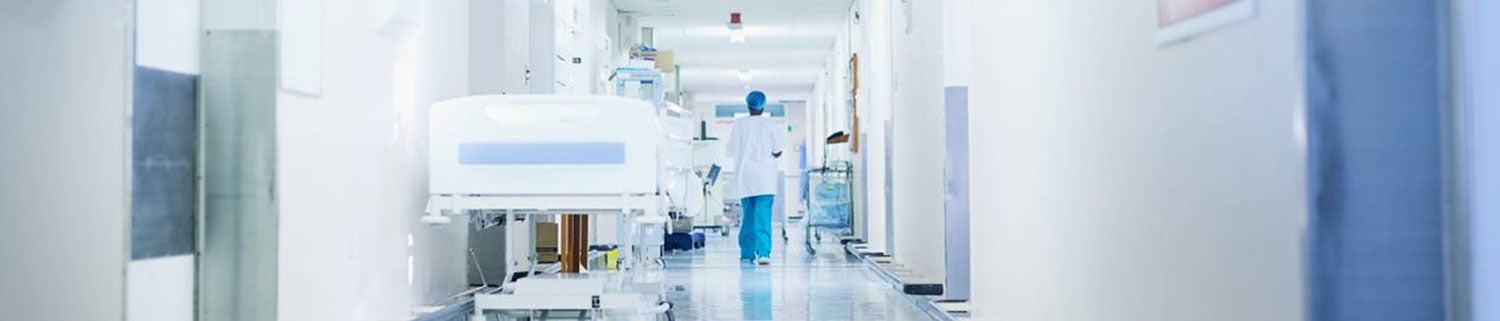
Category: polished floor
[710,284]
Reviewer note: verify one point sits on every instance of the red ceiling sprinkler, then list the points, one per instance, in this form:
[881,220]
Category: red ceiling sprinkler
[736,29]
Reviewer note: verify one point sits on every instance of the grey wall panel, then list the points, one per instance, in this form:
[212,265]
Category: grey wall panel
[486,49]
[861,192]
[956,195]
[1375,160]
[486,261]
[164,154]
[890,205]
[542,76]
[239,244]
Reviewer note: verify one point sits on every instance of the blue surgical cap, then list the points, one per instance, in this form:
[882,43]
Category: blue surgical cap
[756,100]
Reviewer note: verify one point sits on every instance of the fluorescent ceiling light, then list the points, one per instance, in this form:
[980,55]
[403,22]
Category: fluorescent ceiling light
[737,35]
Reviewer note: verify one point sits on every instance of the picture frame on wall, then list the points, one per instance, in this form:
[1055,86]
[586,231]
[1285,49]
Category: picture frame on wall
[854,101]
[1179,20]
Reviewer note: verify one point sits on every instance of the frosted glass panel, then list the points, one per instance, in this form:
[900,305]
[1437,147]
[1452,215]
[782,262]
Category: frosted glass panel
[238,266]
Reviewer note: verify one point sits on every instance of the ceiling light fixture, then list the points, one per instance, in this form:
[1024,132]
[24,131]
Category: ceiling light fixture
[736,29]
[737,36]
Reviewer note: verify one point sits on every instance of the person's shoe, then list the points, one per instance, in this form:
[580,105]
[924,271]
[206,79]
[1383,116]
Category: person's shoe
[763,261]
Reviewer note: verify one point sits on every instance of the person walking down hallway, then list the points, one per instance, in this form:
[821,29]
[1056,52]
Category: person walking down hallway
[755,143]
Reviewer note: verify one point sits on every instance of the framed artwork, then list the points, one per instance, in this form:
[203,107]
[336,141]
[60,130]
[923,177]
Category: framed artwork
[854,102]
[1179,20]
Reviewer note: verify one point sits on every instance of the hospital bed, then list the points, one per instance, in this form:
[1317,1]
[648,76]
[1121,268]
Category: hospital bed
[534,157]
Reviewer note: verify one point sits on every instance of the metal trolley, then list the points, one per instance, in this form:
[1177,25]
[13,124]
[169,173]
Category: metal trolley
[830,205]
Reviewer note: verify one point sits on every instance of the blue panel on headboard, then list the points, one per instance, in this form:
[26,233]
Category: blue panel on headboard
[541,154]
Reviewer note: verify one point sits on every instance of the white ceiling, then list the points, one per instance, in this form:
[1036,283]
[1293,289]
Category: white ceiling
[785,47]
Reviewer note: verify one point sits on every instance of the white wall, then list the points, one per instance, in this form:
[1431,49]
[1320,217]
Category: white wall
[875,68]
[352,170]
[829,110]
[167,35]
[825,102]
[64,182]
[918,188]
[1117,180]
[816,123]
[161,289]
[1480,68]
[958,49]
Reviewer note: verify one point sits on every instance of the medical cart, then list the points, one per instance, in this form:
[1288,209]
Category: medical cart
[830,201]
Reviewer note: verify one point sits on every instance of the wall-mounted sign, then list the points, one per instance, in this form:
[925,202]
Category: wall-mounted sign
[1178,20]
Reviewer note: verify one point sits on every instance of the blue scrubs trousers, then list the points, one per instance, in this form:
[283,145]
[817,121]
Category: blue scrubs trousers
[755,226]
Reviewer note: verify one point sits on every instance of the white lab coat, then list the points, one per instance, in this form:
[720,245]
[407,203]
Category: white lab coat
[751,143]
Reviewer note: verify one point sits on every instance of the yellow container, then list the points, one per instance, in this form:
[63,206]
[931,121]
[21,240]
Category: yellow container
[612,259]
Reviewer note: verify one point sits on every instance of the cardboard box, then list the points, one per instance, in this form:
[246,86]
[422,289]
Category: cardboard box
[548,258]
[666,61]
[547,235]
[547,243]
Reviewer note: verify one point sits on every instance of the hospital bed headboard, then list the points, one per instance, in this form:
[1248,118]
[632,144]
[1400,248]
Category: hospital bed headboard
[542,145]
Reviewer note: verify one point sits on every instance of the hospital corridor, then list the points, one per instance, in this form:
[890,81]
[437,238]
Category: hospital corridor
[724,160]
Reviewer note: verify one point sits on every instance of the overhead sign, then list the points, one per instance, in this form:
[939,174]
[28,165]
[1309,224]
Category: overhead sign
[730,110]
